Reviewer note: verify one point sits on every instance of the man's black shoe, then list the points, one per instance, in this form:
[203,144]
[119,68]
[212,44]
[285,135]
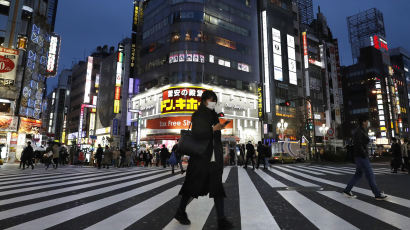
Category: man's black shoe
[224,224]
[182,217]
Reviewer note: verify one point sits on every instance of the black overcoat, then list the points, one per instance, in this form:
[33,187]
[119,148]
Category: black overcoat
[204,177]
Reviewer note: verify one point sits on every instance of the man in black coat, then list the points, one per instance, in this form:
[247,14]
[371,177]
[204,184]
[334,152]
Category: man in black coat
[361,157]
[396,152]
[164,155]
[178,157]
[204,172]
[250,153]
[27,156]
[99,155]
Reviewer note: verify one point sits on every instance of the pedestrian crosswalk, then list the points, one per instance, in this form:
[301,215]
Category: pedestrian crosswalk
[295,196]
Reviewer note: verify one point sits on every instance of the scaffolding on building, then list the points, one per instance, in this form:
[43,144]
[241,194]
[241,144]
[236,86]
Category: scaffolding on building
[305,11]
[363,25]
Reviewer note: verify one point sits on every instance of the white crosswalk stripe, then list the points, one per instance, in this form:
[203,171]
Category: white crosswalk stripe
[251,203]
[305,170]
[278,198]
[319,216]
[387,216]
[198,209]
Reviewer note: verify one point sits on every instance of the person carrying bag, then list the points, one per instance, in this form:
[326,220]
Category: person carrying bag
[205,165]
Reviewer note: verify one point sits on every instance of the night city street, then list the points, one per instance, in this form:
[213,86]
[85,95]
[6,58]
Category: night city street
[296,196]
[204,114]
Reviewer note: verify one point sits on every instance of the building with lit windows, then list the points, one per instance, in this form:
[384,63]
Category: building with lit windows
[281,71]
[31,49]
[198,42]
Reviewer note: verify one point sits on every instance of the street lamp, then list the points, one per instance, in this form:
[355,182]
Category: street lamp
[282,126]
[323,130]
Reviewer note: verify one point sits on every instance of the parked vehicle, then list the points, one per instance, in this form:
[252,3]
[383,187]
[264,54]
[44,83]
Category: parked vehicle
[283,158]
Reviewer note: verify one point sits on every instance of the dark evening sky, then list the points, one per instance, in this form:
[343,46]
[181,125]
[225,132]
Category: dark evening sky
[86,24]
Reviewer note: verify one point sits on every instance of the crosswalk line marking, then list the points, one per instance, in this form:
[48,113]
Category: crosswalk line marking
[66,215]
[292,179]
[320,170]
[54,183]
[387,216]
[316,214]
[393,199]
[131,215]
[270,180]
[304,170]
[254,212]
[50,203]
[374,169]
[52,179]
[198,210]
[333,170]
[352,170]
[73,188]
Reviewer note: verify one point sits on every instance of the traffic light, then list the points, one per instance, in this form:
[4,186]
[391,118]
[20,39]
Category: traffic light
[285,104]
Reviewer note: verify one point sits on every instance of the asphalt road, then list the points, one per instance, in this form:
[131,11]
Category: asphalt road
[294,196]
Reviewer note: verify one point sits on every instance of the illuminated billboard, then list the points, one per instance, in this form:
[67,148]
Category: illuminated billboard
[266,67]
[305,50]
[54,50]
[181,99]
[87,91]
[118,78]
[293,79]
[277,54]
[8,66]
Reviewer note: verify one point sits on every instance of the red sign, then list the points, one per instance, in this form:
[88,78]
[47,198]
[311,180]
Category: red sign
[181,99]
[6,65]
[181,122]
[117,93]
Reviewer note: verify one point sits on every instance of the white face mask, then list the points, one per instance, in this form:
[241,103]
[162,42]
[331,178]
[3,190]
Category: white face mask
[368,124]
[211,105]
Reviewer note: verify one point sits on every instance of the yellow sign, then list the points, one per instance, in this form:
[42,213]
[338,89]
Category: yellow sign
[117,106]
[260,102]
[181,99]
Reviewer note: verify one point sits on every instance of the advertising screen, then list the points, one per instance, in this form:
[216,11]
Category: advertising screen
[8,66]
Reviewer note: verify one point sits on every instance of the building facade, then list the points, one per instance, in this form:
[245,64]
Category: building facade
[30,49]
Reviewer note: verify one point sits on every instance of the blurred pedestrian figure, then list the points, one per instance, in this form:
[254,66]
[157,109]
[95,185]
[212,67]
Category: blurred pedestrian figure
[361,157]
[81,158]
[99,155]
[56,154]
[164,156]
[27,156]
[122,160]
[268,154]
[116,157]
[232,154]
[107,160]
[178,157]
[242,153]
[405,155]
[157,158]
[261,155]
[396,152]
[250,153]
[48,156]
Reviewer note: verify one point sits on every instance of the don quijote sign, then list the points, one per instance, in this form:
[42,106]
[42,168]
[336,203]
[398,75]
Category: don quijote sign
[8,66]
[181,99]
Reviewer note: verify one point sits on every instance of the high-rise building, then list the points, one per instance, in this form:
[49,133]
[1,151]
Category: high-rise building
[400,60]
[372,88]
[323,72]
[30,49]
[281,72]
[187,47]
[305,11]
[362,27]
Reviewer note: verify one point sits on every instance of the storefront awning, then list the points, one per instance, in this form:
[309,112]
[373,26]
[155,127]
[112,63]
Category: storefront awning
[175,137]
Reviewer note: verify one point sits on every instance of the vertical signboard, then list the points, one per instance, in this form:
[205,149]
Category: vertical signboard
[305,50]
[52,61]
[87,91]
[260,103]
[277,54]
[115,127]
[8,66]
[118,78]
[293,79]
[266,67]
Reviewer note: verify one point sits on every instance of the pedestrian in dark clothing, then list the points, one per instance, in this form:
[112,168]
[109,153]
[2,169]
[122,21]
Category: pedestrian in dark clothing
[261,155]
[107,161]
[250,153]
[268,155]
[177,157]
[157,158]
[99,155]
[164,154]
[396,152]
[361,156]
[242,153]
[56,154]
[123,156]
[232,154]
[204,172]
[147,158]
[405,156]
[27,156]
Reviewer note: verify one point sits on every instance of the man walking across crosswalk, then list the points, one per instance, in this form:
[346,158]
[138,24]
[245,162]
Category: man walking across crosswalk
[361,158]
